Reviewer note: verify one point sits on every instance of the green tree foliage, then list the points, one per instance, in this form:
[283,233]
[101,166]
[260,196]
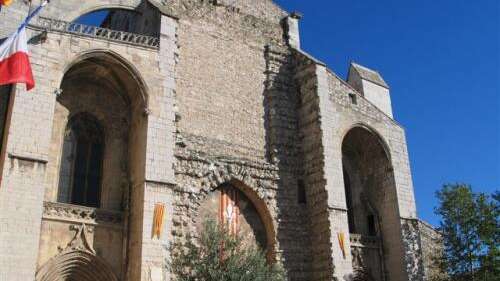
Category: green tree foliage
[217,256]
[470,226]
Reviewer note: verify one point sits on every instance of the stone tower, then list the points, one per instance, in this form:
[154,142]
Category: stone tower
[174,111]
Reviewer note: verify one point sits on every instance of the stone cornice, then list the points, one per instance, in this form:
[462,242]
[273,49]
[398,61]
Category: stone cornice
[56,211]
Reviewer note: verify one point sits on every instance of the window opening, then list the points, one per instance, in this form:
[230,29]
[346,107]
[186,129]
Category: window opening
[301,193]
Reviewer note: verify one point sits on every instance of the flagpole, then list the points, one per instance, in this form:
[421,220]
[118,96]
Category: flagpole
[29,7]
[33,13]
[15,55]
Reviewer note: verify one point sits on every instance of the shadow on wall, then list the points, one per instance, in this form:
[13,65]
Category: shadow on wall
[281,102]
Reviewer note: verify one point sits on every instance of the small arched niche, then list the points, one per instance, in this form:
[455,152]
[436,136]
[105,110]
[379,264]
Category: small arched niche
[370,199]
[237,209]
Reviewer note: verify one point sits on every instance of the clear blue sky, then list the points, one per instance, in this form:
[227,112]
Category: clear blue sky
[441,60]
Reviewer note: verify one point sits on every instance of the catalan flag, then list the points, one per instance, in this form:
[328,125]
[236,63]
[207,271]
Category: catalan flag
[229,210]
[4,3]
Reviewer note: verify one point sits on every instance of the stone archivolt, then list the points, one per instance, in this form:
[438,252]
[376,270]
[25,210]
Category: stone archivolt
[77,261]
[83,265]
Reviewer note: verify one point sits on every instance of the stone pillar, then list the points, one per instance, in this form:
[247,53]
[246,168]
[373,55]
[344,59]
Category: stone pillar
[333,174]
[148,255]
[323,170]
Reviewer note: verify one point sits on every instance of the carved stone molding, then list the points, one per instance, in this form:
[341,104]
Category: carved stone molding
[80,242]
[81,214]
[55,25]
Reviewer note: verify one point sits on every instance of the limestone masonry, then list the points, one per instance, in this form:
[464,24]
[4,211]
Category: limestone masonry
[205,108]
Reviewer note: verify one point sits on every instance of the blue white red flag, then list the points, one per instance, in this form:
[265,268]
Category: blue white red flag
[15,65]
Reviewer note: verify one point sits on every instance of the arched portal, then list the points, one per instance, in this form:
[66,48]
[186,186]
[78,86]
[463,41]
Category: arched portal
[76,266]
[370,197]
[98,151]
[243,212]
[103,101]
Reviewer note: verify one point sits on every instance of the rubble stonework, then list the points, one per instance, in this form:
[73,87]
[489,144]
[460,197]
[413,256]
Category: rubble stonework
[194,95]
[431,243]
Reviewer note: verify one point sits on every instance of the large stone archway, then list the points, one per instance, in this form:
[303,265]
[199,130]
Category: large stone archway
[371,201]
[107,90]
[105,86]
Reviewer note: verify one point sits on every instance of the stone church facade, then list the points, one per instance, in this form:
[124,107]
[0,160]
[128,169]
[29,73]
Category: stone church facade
[198,109]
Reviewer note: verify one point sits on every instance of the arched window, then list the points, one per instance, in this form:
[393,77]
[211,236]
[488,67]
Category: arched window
[81,163]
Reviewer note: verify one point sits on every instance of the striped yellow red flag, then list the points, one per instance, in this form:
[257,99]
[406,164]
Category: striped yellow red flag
[158,215]
[5,2]
[341,238]
[229,210]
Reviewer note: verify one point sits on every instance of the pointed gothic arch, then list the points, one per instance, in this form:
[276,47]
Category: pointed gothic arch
[371,197]
[137,91]
[238,178]
[104,85]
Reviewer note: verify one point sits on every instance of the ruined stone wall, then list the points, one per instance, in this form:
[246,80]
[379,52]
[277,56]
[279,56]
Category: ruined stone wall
[236,104]
[431,241]
[282,99]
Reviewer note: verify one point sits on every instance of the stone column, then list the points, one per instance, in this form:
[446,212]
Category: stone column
[148,255]
[334,184]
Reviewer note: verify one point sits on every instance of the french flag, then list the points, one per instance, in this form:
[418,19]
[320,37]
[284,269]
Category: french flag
[15,64]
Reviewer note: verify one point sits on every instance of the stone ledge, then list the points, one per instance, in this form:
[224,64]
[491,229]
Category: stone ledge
[63,212]
[48,24]
[27,158]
